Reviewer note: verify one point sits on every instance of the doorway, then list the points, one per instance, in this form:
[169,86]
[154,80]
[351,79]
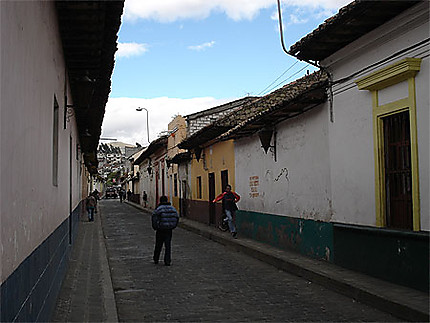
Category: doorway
[398,172]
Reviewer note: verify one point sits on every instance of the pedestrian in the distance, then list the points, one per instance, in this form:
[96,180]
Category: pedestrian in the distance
[144,198]
[96,195]
[121,195]
[164,219]
[129,193]
[90,203]
[229,199]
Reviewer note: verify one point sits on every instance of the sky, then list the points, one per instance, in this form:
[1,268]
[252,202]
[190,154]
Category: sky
[178,57]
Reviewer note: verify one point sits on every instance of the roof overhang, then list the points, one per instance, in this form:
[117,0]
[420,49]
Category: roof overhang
[351,22]
[180,158]
[287,102]
[152,148]
[89,36]
[283,111]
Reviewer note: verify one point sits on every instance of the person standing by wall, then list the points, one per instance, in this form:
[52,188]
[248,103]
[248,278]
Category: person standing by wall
[229,199]
[129,193]
[91,204]
[164,219]
[144,198]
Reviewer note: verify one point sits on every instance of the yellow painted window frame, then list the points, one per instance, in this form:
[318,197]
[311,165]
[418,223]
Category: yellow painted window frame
[403,70]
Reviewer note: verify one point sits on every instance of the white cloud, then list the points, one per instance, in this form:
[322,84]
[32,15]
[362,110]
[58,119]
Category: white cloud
[325,4]
[202,46]
[131,49]
[124,123]
[295,19]
[172,10]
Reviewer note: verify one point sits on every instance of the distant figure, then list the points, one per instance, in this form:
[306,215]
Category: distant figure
[121,195]
[90,203]
[144,198]
[129,193]
[164,219]
[229,199]
[96,195]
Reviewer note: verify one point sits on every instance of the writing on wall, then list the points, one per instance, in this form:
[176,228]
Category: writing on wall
[254,182]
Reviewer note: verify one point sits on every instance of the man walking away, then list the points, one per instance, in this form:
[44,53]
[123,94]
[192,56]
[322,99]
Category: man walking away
[91,203]
[164,219]
[229,199]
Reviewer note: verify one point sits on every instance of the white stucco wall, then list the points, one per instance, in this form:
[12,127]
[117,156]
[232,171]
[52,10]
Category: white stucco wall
[297,184]
[32,73]
[351,133]
[145,181]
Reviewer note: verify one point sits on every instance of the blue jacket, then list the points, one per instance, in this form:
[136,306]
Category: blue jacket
[165,217]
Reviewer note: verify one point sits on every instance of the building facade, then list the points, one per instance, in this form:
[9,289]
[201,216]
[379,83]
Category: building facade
[350,181]
[48,147]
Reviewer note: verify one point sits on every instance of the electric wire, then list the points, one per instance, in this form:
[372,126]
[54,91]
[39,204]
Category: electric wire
[283,81]
[278,78]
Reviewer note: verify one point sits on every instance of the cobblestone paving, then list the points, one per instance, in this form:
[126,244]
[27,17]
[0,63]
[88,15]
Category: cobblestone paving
[209,282]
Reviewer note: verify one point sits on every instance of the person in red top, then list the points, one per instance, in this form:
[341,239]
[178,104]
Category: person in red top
[229,199]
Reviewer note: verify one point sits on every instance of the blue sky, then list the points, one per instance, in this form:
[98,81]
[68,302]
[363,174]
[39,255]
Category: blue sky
[183,56]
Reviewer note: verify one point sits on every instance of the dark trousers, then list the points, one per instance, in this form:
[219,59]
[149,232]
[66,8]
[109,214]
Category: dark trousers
[163,236]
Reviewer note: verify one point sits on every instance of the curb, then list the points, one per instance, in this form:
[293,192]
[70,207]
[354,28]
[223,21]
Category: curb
[402,302]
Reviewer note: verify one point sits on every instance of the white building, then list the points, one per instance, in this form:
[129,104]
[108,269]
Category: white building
[56,64]
[153,171]
[350,182]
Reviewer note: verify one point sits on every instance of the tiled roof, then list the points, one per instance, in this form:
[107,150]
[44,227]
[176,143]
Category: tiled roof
[287,102]
[153,147]
[351,22]
[284,103]
[216,127]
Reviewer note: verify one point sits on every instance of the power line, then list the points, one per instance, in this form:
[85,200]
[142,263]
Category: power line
[288,78]
[278,77]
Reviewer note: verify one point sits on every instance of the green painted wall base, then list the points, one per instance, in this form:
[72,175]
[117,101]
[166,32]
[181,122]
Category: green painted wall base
[308,237]
[401,257]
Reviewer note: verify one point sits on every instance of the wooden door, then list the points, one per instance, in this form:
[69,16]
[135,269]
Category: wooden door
[398,175]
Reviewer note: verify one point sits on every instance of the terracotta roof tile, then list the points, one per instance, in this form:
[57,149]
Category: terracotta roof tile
[277,101]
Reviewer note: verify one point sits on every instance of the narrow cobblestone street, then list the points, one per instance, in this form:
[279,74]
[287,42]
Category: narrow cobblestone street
[208,281]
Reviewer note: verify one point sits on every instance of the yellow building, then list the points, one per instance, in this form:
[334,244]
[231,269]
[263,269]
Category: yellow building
[177,132]
[212,165]
[209,176]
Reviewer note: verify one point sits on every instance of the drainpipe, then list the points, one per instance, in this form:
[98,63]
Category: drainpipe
[282,39]
[330,77]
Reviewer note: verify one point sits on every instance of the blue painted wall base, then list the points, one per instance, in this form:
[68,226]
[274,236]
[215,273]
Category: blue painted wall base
[29,294]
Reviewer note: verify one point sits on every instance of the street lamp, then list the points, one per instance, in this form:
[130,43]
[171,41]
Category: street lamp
[147,120]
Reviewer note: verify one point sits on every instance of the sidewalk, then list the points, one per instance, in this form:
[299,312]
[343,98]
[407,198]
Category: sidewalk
[87,294]
[403,302]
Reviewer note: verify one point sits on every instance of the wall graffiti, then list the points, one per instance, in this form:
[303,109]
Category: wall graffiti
[283,171]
